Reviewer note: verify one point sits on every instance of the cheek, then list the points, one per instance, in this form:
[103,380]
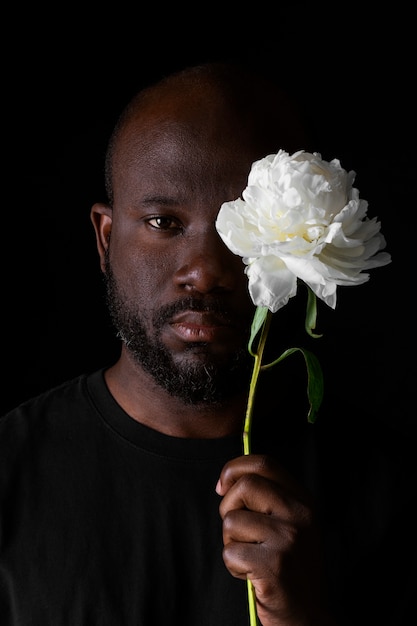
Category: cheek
[142,274]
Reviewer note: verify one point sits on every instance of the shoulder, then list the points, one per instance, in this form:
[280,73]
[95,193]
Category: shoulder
[52,406]
[46,433]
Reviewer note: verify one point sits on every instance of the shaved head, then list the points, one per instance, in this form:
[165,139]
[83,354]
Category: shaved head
[237,103]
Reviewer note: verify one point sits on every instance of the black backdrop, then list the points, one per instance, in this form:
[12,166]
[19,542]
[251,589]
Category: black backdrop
[66,78]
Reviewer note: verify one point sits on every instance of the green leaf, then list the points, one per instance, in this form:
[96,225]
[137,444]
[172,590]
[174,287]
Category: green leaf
[315,384]
[259,318]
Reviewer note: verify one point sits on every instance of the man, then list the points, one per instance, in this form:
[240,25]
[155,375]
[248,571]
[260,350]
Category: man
[125,497]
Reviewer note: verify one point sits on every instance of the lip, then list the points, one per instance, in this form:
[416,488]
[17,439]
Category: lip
[200,326]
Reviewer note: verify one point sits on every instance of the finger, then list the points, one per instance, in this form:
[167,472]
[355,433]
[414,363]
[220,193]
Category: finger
[247,560]
[244,526]
[258,464]
[256,493]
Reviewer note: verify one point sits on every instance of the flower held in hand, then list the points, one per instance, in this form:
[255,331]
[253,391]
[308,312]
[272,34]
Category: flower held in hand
[299,218]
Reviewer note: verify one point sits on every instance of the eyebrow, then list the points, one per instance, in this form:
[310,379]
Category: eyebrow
[159,199]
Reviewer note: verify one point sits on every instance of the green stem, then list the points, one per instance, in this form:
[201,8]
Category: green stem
[247,437]
[253,384]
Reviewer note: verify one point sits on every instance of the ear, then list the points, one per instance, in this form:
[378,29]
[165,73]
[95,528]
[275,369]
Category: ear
[102,217]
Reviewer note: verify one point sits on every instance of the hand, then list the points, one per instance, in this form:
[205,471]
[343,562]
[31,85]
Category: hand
[271,537]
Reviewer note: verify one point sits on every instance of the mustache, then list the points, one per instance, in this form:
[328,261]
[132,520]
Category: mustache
[213,305]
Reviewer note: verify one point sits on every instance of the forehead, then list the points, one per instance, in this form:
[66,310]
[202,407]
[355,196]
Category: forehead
[176,152]
[200,136]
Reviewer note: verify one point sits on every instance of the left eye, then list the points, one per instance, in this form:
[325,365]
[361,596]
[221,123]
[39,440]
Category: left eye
[162,223]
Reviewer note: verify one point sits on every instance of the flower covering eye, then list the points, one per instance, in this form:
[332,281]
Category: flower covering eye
[301,218]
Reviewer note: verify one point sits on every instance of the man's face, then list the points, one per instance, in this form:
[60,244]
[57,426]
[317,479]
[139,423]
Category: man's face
[177,295]
[195,377]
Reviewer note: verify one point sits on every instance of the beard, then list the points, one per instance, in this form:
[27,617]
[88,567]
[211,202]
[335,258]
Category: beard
[210,382]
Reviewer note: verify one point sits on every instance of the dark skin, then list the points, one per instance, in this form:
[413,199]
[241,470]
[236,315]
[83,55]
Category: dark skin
[176,160]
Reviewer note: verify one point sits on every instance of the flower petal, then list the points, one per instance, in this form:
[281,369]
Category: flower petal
[271,284]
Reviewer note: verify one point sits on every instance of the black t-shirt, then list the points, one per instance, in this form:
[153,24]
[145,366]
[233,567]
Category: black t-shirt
[106,522]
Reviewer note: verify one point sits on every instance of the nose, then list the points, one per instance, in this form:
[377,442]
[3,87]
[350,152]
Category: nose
[206,265]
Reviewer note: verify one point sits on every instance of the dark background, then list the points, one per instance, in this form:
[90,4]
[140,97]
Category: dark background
[66,77]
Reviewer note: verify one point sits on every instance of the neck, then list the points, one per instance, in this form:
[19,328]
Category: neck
[146,402]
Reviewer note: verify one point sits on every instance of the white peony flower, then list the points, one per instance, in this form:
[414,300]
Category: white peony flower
[301,218]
